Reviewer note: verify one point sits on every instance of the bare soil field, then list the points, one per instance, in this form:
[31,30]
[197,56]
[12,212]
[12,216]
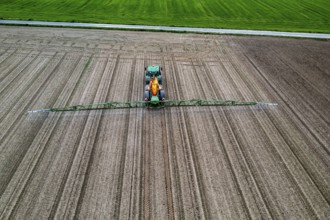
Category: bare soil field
[175,163]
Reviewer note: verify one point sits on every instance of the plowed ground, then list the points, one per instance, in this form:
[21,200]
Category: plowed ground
[188,163]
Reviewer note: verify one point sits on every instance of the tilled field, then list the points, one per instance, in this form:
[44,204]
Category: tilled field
[176,163]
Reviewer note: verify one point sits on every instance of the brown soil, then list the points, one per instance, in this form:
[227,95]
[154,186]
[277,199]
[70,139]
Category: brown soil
[188,163]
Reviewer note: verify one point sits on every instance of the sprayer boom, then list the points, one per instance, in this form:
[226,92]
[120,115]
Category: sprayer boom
[148,104]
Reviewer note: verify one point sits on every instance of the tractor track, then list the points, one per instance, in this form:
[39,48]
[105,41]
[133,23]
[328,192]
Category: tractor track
[146,167]
[181,194]
[125,146]
[175,190]
[4,57]
[26,100]
[304,163]
[15,76]
[25,180]
[239,154]
[166,125]
[146,172]
[88,170]
[309,83]
[62,103]
[197,191]
[298,116]
[275,151]
[12,134]
[13,130]
[262,132]
[40,157]
[135,156]
[65,178]
[175,163]
[20,87]
[290,110]
[222,143]
[295,112]
[13,64]
[307,89]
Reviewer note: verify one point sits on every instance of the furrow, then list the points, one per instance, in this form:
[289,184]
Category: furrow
[318,56]
[6,70]
[182,184]
[262,81]
[301,119]
[5,56]
[120,184]
[74,143]
[234,170]
[314,174]
[170,212]
[135,182]
[146,174]
[166,123]
[68,204]
[110,150]
[318,131]
[260,168]
[254,196]
[306,88]
[247,92]
[14,74]
[319,80]
[43,143]
[190,155]
[177,198]
[21,179]
[28,127]
[21,105]
[18,88]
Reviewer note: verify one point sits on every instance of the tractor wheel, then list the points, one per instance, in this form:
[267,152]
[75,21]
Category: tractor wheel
[146,95]
[162,95]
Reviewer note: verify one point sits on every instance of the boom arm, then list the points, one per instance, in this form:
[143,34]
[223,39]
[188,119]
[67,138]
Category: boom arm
[145,104]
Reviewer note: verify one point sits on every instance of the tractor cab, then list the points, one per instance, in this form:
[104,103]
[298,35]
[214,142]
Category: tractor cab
[153,71]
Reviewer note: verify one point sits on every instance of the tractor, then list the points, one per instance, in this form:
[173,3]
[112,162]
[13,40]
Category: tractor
[153,91]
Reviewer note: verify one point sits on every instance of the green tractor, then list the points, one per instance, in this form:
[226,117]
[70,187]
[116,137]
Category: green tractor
[155,94]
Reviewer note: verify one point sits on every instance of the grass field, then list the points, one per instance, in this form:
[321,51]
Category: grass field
[285,15]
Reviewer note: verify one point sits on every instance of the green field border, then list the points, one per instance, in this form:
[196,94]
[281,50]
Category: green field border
[168,31]
[273,15]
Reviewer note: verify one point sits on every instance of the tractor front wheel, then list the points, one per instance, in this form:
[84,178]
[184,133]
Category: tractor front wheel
[162,95]
[146,96]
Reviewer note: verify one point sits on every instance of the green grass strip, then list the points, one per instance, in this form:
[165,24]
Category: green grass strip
[282,15]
